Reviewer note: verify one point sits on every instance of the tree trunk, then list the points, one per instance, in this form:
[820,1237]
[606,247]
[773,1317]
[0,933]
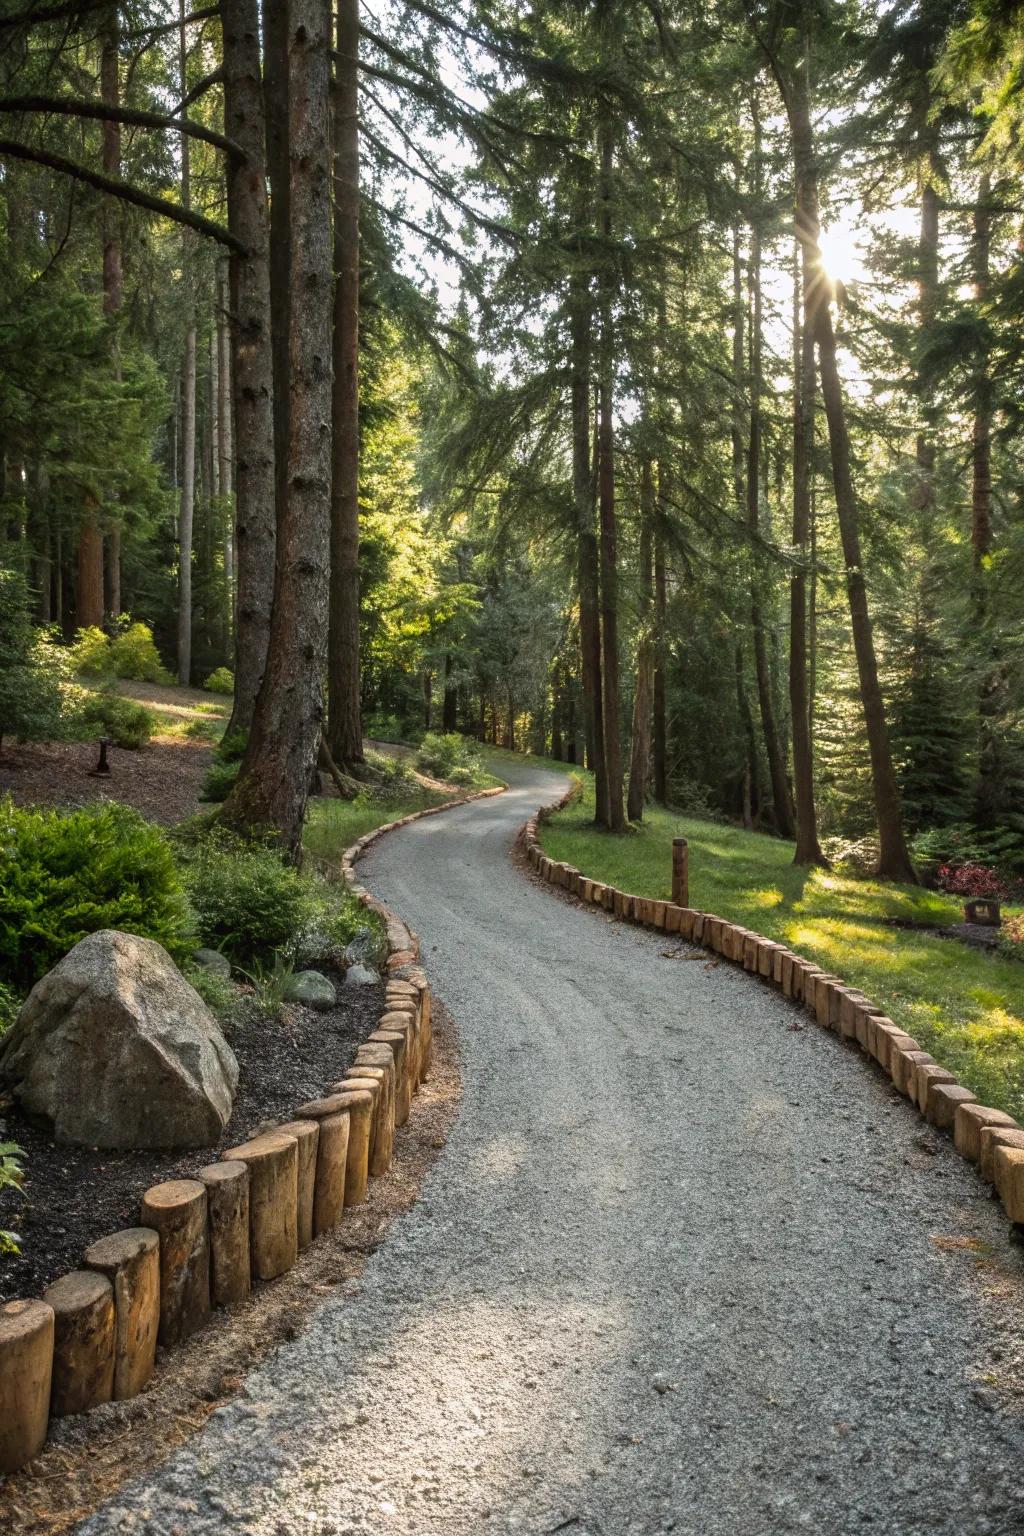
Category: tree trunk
[557,748]
[927,310]
[640,747]
[586,542]
[110,94]
[750,791]
[894,859]
[278,157]
[226,448]
[774,750]
[988,810]
[981,436]
[252,356]
[450,703]
[113,281]
[89,575]
[344,721]
[607,518]
[186,508]
[808,849]
[273,784]
[113,562]
[660,605]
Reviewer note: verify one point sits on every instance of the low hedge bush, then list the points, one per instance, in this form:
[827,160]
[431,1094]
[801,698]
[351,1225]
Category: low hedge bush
[65,874]
[219,781]
[451,757]
[131,653]
[246,900]
[127,723]
[222,680]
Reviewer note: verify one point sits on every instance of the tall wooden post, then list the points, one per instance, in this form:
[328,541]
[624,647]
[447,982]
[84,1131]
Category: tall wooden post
[680,872]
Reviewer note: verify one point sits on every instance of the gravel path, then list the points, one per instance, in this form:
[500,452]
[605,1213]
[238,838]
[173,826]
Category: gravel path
[685,1265]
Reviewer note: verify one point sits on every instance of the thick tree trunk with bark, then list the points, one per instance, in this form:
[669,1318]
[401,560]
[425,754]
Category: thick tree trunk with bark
[284,742]
[276,117]
[89,573]
[252,356]
[344,716]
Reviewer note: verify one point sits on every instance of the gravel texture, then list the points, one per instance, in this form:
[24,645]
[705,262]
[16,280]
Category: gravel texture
[686,1264]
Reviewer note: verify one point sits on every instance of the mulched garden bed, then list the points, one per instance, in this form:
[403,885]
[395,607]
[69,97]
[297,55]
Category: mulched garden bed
[161,780]
[75,1195]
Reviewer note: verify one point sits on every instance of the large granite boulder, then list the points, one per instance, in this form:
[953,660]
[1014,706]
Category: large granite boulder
[117,1049]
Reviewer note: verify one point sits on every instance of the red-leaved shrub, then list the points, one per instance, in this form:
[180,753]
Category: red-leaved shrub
[978,880]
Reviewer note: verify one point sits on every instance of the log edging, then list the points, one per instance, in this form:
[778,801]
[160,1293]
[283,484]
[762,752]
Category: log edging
[217,1265]
[990,1139]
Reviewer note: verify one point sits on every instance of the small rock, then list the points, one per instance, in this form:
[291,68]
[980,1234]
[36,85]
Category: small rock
[212,960]
[360,975]
[310,988]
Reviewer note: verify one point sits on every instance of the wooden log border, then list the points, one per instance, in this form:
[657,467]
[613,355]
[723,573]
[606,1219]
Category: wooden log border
[990,1139]
[26,1399]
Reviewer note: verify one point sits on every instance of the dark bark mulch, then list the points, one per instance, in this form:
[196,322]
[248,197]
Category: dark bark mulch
[161,780]
[74,1195]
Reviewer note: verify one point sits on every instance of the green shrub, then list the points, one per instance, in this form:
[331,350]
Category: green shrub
[442,756]
[127,723]
[31,669]
[231,747]
[220,681]
[65,874]
[218,992]
[90,653]
[246,900]
[200,730]
[132,653]
[10,1007]
[387,728]
[219,781]
[962,843]
[387,774]
[12,1175]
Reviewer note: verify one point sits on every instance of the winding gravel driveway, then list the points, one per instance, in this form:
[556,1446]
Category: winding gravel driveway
[686,1264]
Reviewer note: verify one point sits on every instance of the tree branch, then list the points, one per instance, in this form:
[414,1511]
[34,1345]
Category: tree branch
[68,106]
[216,77]
[124,190]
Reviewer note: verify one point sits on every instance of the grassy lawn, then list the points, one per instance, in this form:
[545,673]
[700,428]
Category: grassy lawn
[180,713]
[334,825]
[965,1006]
